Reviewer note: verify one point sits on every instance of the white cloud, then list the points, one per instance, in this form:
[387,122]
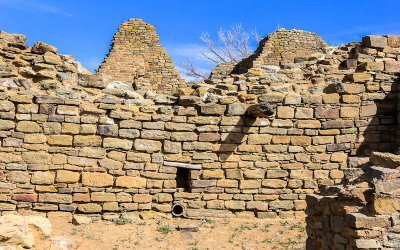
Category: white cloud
[33,6]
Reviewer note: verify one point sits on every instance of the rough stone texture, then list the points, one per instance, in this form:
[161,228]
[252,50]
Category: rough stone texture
[136,57]
[79,143]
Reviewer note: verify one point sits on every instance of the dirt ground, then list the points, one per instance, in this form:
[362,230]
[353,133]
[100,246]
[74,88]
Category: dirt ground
[163,234]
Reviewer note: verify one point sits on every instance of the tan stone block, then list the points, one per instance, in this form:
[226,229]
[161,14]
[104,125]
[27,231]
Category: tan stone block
[142,198]
[64,176]
[257,205]
[300,205]
[351,99]
[250,148]
[28,127]
[213,174]
[300,140]
[349,112]
[35,138]
[89,208]
[97,179]
[60,140]
[110,206]
[81,197]
[369,110]
[118,143]
[385,204]
[183,136]
[67,110]
[308,124]
[323,140]
[331,98]
[339,157]
[148,146]
[235,205]
[336,174]
[102,196]
[215,204]
[276,173]
[284,112]
[274,183]
[392,66]
[42,178]
[249,184]
[88,129]
[351,88]
[87,141]
[70,128]
[295,183]
[259,139]
[280,139]
[393,41]
[18,177]
[254,173]
[162,197]
[304,113]
[321,174]
[303,174]
[55,198]
[130,182]
[138,157]
[360,77]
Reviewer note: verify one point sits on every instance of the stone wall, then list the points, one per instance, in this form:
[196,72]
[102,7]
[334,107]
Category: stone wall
[136,57]
[109,149]
[282,47]
[362,212]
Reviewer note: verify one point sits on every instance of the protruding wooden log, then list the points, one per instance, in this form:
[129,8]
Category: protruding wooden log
[182,165]
[262,109]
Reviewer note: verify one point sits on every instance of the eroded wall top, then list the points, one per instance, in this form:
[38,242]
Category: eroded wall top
[280,47]
[136,57]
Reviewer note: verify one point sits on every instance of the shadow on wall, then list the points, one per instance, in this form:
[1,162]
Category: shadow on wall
[380,133]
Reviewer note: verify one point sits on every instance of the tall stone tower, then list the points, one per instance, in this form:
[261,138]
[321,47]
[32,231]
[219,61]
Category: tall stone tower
[138,58]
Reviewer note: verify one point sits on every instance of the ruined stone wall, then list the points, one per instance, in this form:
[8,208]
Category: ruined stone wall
[113,150]
[136,57]
[282,47]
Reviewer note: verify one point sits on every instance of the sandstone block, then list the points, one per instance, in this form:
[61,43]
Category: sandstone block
[237,109]
[358,78]
[18,177]
[97,81]
[148,146]
[212,109]
[227,183]
[102,196]
[67,110]
[392,66]
[300,140]
[274,183]
[138,157]
[60,140]
[89,208]
[304,113]
[142,198]
[97,179]
[131,182]
[64,176]
[349,112]
[42,178]
[284,112]
[393,41]
[374,41]
[28,127]
[235,205]
[281,205]
[249,184]
[6,125]
[55,198]
[118,143]
[308,124]
[183,136]
[213,174]
[255,139]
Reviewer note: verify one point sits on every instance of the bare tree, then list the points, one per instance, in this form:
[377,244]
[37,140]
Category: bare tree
[232,46]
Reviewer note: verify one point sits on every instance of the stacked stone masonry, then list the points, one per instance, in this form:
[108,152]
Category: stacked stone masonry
[136,57]
[107,149]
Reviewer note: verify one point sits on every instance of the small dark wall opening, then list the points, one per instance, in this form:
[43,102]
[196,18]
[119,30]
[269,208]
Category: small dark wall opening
[177,210]
[183,179]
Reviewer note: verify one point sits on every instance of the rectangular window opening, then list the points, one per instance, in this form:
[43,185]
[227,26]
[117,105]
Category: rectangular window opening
[183,179]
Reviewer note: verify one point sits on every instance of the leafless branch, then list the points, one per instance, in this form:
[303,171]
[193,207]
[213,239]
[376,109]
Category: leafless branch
[191,70]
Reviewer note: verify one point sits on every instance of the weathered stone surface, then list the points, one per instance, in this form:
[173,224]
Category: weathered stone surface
[387,160]
[148,146]
[97,179]
[19,231]
[42,178]
[117,143]
[130,182]
[359,220]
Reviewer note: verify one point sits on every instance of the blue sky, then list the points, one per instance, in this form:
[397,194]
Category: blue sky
[85,28]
